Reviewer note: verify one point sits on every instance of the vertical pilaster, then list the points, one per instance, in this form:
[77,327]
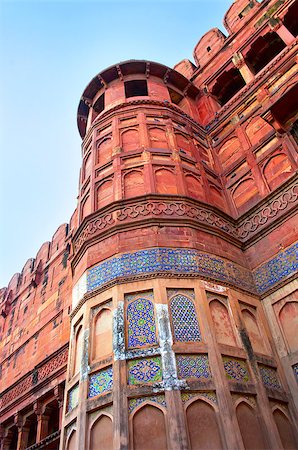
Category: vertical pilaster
[120,409]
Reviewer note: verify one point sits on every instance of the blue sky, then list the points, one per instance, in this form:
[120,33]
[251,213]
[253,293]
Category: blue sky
[49,53]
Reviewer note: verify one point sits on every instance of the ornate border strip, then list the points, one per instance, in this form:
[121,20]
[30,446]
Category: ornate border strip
[241,231]
[169,260]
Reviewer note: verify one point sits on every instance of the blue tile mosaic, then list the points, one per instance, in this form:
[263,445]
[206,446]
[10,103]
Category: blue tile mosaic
[147,370]
[269,377]
[193,366]
[73,398]
[141,323]
[184,319]
[134,402]
[277,269]
[169,260]
[236,369]
[100,382]
[210,395]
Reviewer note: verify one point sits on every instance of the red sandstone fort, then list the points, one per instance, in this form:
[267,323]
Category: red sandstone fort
[164,315]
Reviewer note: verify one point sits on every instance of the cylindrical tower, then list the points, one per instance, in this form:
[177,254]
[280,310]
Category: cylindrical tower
[158,349]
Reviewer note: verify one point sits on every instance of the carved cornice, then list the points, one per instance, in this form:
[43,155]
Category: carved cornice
[172,210]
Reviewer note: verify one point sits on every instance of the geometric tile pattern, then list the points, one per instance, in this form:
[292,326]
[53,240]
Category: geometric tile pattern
[278,268]
[193,366]
[269,377]
[185,322]
[134,402]
[146,370]
[169,260]
[73,398]
[210,395]
[295,369]
[236,369]
[141,323]
[101,381]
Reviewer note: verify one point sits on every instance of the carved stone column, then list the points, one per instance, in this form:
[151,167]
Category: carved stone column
[23,432]
[240,63]
[279,28]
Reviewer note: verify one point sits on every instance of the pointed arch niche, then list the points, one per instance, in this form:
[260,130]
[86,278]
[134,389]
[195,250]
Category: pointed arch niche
[202,426]
[71,442]
[130,139]
[166,182]
[101,433]
[184,317]
[102,334]
[285,429]
[140,320]
[104,151]
[134,183]
[148,422]
[194,186]
[158,138]
[221,319]
[250,429]
[288,318]
[258,341]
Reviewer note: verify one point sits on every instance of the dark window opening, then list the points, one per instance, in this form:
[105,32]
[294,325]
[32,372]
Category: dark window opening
[291,19]
[175,96]
[99,105]
[32,430]
[294,131]
[263,50]
[240,16]
[136,88]
[208,49]
[13,435]
[53,424]
[227,85]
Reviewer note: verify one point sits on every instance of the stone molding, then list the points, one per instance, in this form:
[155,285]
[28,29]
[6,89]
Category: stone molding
[146,209]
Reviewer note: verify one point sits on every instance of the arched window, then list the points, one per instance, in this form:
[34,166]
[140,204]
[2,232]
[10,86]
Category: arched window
[202,426]
[101,436]
[184,319]
[250,430]
[103,336]
[78,350]
[141,323]
[149,429]
[222,323]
